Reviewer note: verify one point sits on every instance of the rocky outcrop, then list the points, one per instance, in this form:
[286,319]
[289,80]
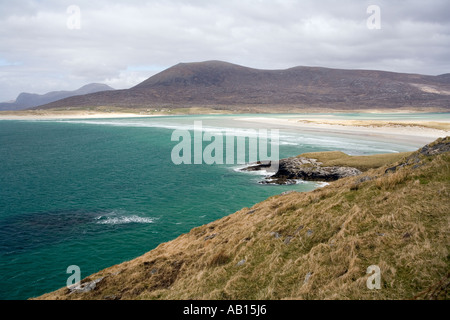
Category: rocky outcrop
[299,168]
[85,287]
[440,146]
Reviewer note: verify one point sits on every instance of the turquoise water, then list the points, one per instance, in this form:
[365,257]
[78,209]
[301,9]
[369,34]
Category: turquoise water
[95,193]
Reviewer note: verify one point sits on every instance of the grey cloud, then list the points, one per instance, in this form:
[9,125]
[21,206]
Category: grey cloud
[117,37]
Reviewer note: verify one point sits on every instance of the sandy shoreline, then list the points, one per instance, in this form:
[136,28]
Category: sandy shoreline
[420,132]
[417,132]
[77,115]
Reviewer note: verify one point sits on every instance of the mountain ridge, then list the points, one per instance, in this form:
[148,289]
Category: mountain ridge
[29,100]
[225,86]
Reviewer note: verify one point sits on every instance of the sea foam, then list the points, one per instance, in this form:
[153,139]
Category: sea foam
[123,220]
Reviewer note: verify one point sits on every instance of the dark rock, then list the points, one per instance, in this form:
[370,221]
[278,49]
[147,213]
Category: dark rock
[436,148]
[212,236]
[393,169]
[278,181]
[260,165]
[299,168]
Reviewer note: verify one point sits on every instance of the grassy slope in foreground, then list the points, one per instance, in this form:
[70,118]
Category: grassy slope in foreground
[315,245]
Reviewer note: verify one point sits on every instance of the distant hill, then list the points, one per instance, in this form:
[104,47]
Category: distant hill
[222,85]
[29,100]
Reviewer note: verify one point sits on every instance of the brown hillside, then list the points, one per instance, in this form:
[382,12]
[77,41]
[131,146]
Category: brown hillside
[222,85]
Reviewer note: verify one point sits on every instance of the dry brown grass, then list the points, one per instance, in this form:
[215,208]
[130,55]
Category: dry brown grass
[314,245]
[439,125]
[219,259]
[363,163]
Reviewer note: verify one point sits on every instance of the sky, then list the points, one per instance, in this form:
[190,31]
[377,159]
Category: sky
[51,45]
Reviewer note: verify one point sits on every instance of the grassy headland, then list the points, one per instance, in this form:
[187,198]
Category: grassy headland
[363,163]
[439,125]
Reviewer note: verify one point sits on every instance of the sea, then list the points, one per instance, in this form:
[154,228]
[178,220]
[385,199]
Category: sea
[98,192]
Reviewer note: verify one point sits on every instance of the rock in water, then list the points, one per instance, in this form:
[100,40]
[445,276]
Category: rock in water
[309,170]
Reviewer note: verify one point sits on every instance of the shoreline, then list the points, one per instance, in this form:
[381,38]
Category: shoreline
[78,115]
[421,131]
[142,113]
[409,132]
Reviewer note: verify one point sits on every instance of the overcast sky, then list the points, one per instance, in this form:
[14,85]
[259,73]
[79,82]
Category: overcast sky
[122,43]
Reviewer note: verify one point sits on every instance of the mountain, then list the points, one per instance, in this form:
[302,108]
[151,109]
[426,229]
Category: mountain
[29,100]
[222,85]
[313,245]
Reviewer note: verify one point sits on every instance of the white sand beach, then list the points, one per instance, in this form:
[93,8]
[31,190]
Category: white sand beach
[399,130]
[405,131]
[70,115]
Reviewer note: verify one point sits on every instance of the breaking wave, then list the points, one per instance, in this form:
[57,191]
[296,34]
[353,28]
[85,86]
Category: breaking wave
[123,220]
